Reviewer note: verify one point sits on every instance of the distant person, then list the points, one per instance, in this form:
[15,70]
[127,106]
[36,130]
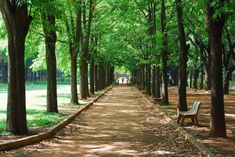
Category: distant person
[122,80]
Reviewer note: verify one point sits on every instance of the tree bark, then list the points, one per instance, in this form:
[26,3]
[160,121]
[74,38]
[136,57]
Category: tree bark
[182,101]
[165,78]
[85,51]
[74,36]
[148,79]
[50,42]
[83,74]
[195,77]
[102,77]
[143,77]
[215,28]
[96,76]
[158,83]
[17,21]
[190,78]
[73,67]
[201,72]
[208,72]
[154,81]
[92,73]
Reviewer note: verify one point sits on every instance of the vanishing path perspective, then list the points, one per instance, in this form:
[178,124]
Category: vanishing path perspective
[121,123]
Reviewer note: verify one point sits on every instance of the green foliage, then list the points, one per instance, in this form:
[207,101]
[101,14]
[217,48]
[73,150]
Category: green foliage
[36,118]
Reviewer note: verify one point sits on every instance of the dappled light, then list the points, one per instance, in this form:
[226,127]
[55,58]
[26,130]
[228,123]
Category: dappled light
[117,77]
[117,125]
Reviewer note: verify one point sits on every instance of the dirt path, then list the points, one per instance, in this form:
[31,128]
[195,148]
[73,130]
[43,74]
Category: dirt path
[119,124]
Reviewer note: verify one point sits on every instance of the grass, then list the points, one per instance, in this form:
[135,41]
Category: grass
[36,104]
[169,110]
[29,86]
[36,118]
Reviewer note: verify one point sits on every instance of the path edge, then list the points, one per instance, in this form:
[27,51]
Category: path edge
[193,140]
[50,133]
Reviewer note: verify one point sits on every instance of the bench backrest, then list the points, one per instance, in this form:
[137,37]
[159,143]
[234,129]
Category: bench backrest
[195,107]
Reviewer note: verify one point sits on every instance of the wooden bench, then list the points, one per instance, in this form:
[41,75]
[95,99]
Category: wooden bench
[192,113]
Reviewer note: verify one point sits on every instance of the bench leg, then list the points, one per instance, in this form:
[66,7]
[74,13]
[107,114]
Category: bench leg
[196,121]
[179,117]
[192,120]
[182,121]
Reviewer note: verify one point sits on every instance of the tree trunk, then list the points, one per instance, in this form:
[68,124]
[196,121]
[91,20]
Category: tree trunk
[86,80]
[165,100]
[226,82]
[92,73]
[158,82]
[143,77]
[182,102]
[154,81]
[102,77]
[50,42]
[17,22]
[97,88]
[83,77]
[74,91]
[208,73]
[215,27]
[190,79]
[201,73]
[148,79]
[195,77]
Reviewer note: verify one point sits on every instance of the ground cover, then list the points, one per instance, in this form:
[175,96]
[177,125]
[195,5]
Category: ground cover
[36,105]
[225,147]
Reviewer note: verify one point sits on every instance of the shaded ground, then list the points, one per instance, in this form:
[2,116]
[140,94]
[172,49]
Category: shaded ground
[224,147]
[119,124]
[65,109]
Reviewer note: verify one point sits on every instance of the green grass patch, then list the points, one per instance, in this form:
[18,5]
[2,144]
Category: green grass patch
[42,118]
[169,110]
[29,86]
[36,118]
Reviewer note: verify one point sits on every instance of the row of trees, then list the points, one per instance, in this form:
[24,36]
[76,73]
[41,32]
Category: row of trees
[193,37]
[154,39]
[37,29]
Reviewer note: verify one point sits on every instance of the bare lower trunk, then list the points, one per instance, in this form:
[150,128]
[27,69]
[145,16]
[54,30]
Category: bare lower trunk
[17,22]
[226,82]
[92,81]
[195,77]
[154,81]
[201,75]
[50,42]
[190,79]
[182,102]
[143,77]
[158,82]
[83,74]
[97,88]
[208,75]
[164,50]
[215,27]
[74,91]
[148,79]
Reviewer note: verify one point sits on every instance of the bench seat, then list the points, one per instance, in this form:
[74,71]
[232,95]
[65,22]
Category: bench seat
[192,113]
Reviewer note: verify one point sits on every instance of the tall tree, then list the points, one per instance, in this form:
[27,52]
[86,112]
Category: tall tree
[48,22]
[74,36]
[182,100]
[17,21]
[215,24]
[164,51]
[85,52]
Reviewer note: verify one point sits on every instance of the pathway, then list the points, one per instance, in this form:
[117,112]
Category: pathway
[119,124]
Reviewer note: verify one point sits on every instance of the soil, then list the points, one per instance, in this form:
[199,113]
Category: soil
[120,124]
[223,147]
